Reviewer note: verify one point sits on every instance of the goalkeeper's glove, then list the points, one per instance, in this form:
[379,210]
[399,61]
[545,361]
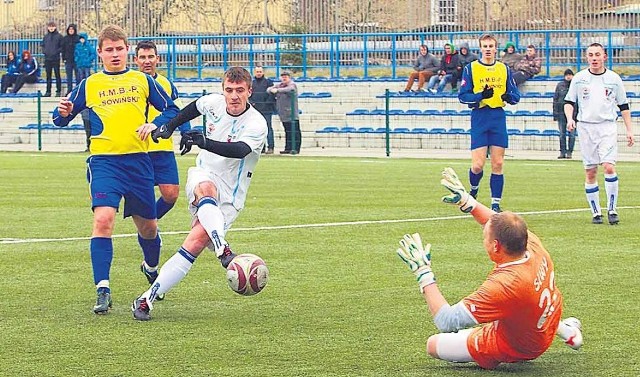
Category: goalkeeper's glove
[418,259]
[162,132]
[191,138]
[459,195]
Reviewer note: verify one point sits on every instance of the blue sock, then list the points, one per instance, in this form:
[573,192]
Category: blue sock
[151,250]
[474,179]
[497,184]
[163,207]
[101,257]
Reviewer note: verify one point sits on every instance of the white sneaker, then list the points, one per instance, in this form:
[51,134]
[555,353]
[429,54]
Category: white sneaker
[575,340]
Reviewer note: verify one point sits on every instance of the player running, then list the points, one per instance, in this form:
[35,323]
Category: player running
[518,306]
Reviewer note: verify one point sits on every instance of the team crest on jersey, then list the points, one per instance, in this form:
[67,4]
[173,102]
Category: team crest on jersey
[210,127]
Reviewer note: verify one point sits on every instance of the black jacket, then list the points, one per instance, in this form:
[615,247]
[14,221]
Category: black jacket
[52,46]
[558,101]
[69,42]
[263,101]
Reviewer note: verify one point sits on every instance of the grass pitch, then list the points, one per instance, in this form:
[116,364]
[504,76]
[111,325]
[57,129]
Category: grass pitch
[339,301]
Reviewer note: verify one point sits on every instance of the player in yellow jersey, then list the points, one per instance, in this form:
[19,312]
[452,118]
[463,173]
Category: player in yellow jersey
[119,165]
[515,314]
[165,168]
[486,86]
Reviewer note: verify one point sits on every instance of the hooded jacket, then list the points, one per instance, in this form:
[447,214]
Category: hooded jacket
[262,100]
[511,59]
[450,62]
[464,59]
[426,62]
[12,66]
[52,46]
[85,53]
[69,42]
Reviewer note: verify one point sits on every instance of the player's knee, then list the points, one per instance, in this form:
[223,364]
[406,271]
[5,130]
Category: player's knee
[609,168]
[103,223]
[206,189]
[591,174]
[432,349]
[148,229]
[496,166]
[170,193]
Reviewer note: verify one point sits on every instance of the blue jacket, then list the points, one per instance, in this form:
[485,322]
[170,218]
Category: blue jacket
[12,67]
[85,53]
[29,67]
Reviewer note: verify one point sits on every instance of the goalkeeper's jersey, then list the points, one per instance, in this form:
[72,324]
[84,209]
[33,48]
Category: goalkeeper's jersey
[249,127]
[117,103]
[522,301]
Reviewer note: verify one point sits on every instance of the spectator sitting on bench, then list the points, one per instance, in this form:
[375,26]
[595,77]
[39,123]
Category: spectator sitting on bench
[510,57]
[28,69]
[464,57]
[448,67]
[528,66]
[12,74]
[425,66]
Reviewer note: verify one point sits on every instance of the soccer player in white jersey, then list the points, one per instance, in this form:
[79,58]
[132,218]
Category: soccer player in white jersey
[599,93]
[217,186]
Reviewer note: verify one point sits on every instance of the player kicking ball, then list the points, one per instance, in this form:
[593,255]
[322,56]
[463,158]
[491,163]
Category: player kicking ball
[515,314]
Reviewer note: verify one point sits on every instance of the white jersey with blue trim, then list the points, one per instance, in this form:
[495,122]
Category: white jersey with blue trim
[597,96]
[249,127]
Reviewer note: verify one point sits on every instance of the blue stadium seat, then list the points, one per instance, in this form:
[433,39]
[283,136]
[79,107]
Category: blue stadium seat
[6,110]
[323,95]
[380,130]
[465,112]
[431,112]
[328,130]
[449,112]
[513,131]
[457,131]
[306,95]
[532,95]
[522,113]
[359,112]
[400,130]
[377,112]
[347,129]
[542,113]
[396,112]
[413,112]
[550,133]
[420,130]
[531,132]
[635,114]
[508,113]
[365,130]
[438,131]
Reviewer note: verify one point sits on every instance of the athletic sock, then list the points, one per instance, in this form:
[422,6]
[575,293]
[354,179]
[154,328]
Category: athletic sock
[564,331]
[496,182]
[151,249]
[593,198]
[474,180]
[101,256]
[163,207]
[212,220]
[171,273]
[611,188]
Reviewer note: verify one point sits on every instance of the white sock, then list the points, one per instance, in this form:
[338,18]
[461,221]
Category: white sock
[171,273]
[102,284]
[611,188]
[212,220]
[593,198]
[565,332]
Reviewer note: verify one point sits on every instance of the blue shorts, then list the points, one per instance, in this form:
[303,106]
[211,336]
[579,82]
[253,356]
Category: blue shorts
[165,168]
[112,177]
[488,127]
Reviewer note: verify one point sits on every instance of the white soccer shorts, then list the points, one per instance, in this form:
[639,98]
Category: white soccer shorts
[598,143]
[195,176]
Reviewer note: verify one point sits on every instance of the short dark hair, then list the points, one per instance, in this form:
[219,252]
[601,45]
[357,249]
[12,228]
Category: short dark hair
[510,230]
[596,44]
[531,46]
[238,75]
[425,47]
[146,45]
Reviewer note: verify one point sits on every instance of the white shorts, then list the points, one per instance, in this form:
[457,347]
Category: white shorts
[453,346]
[198,175]
[598,143]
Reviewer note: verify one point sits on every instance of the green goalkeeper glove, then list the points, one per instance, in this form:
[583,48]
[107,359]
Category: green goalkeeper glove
[418,259]
[459,195]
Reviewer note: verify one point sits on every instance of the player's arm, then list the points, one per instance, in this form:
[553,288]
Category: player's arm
[188,113]
[466,94]
[70,106]
[512,95]
[159,99]
[460,197]
[236,149]
[291,87]
[623,105]
[418,258]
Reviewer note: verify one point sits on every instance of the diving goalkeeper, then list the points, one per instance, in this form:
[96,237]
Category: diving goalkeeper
[518,307]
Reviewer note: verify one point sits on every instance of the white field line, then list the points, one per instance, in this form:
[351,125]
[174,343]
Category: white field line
[301,226]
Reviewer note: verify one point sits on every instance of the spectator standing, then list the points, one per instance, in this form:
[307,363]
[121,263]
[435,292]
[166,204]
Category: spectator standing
[448,67]
[52,48]
[84,57]
[464,57]
[28,69]
[566,149]
[425,66]
[528,66]
[264,102]
[69,42]
[287,105]
[510,57]
[12,74]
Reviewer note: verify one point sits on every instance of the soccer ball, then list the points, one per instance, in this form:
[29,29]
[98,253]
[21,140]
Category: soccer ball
[247,274]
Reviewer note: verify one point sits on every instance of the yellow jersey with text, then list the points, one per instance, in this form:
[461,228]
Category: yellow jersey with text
[117,102]
[477,75]
[164,145]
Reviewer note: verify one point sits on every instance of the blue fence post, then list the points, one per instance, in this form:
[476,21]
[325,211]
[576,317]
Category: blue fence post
[251,53]
[332,61]
[304,56]
[578,52]
[547,43]
[277,40]
[225,53]
[393,56]
[199,59]
[365,56]
[610,49]
[338,60]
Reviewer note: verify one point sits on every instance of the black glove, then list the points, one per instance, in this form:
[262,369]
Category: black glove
[162,132]
[487,92]
[191,138]
[506,98]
